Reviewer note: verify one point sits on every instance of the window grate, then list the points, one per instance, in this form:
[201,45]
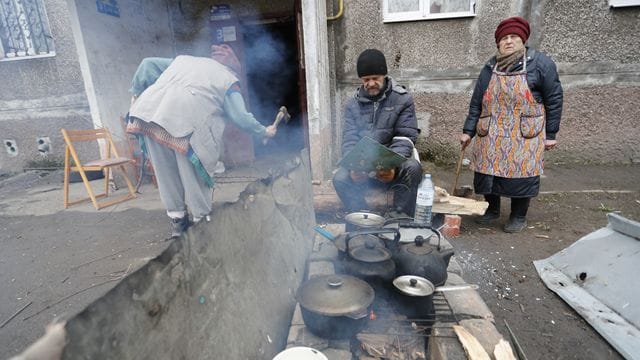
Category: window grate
[24,30]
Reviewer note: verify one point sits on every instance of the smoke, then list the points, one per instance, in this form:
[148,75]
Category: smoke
[271,71]
[271,68]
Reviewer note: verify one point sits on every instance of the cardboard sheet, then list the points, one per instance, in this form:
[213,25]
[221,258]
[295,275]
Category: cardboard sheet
[368,155]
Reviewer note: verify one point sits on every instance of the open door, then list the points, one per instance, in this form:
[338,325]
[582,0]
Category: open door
[302,81]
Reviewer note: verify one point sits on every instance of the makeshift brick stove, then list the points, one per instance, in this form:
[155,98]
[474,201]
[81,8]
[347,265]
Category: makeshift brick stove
[389,333]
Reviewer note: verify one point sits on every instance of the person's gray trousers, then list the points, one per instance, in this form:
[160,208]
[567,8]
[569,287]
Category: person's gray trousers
[178,181]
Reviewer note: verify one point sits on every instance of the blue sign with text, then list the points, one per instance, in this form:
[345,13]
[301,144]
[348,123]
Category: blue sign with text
[109,7]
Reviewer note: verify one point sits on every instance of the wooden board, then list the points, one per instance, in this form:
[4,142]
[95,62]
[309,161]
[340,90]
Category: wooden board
[471,345]
[503,351]
[326,200]
[460,206]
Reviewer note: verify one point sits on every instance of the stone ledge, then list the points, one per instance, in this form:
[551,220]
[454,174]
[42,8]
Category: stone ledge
[485,331]
[443,344]
[323,249]
[297,316]
[454,267]
[299,335]
[466,302]
[319,268]
[337,354]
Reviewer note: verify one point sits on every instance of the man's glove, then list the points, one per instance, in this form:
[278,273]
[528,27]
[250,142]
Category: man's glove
[386,175]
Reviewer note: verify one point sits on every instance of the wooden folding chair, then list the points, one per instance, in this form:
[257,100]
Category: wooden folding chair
[112,160]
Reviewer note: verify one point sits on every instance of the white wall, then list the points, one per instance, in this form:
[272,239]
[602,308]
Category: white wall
[110,49]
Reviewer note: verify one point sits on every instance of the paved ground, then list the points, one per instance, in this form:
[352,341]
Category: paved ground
[60,260]
[574,202]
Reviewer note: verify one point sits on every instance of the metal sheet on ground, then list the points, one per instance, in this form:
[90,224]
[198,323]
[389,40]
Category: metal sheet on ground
[593,276]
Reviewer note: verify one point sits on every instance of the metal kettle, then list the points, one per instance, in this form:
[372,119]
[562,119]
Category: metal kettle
[420,258]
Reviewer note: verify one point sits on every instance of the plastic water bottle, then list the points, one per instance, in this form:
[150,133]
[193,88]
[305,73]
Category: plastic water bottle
[424,202]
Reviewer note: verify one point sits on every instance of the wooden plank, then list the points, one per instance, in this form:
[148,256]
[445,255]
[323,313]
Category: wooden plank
[471,345]
[457,207]
[503,351]
[325,199]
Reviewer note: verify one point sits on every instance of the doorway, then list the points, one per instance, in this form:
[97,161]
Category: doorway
[273,72]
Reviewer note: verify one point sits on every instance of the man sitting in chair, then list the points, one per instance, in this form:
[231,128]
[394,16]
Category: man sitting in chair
[384,111]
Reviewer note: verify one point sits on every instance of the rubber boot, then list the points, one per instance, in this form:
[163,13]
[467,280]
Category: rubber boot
[179,226]
[518,217]
[493,211]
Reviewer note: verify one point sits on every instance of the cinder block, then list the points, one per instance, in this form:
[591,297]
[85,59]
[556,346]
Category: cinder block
[454,279]
[297,316]
[454,266]
[323,249]
[320,242]
[319,268]
[337,354]
[340,344]
[443,343]
[485,331]
[467,302]
[299,335]
[335,229]
[294,333]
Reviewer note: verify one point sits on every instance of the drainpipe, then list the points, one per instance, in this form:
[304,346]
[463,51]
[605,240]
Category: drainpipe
[340,12]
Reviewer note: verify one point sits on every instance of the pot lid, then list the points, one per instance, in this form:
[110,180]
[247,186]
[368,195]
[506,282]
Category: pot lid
[300,353]
[369,252]
[408,235]
[414,285]
[420,246]
[356,241]
[335,295]
[364,219]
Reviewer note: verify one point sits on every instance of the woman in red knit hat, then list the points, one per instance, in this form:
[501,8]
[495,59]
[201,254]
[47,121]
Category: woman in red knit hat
[514,114]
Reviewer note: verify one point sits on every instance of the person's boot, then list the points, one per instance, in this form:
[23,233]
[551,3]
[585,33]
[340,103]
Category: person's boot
[179,226]
[518,218]
[515,224]
[493,211]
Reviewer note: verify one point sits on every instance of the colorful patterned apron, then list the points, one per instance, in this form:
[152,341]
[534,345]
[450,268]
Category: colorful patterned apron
[510,131]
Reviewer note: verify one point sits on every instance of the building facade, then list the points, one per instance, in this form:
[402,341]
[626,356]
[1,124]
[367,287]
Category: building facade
[435,49]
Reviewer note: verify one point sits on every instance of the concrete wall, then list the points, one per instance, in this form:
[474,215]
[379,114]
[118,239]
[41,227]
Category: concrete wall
[40,96]
[596,48]
[224,291]
[191,20]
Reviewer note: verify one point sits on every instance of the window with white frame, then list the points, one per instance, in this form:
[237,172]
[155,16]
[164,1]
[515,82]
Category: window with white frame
[408,10]
[24,30]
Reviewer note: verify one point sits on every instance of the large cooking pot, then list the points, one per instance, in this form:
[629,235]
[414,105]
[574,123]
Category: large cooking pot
[335,306]
[362,221]
[416,295]
[420,258]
